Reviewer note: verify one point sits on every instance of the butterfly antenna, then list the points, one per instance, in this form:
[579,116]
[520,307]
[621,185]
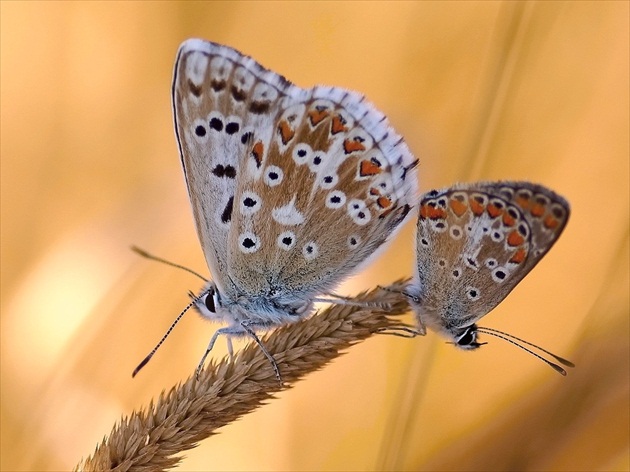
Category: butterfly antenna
[145,254]
[556,357]
[148,358]
[513,340]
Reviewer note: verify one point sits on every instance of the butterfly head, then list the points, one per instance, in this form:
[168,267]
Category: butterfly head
[466,338]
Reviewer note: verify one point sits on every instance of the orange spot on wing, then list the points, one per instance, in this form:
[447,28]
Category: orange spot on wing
[286,132]
[519,256]
[550,222]
[515,239]
[431,212]
[476,207]
[350,145]
[458,207]
[493,211]
[368,168]
[257,152]
[424,214]
[523,202]
[383,202]
[374,191]
[538,210]
[507,219]
[317,116]
[338,125]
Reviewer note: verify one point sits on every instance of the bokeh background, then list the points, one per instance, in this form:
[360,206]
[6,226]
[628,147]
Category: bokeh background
[480,90]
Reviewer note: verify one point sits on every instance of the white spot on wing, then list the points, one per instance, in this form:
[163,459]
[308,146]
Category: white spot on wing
[438,226]
[264,93]
[317,161]
[200,130]
[220,68]
[288,215]
[273,176]
[250,203]
[456,232]
[359,212]
[500,274]
[328,181]
[472,293]
[354,241]
[335,199]
[310,251]
[248,243]
[196,65]
[286,240]
[244,79]
[490,262]
[302,153]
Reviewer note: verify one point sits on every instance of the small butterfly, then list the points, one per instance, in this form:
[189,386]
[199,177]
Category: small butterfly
[291,189]
[475,243]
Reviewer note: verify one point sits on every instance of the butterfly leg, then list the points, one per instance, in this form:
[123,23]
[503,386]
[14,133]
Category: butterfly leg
[228,331]
[402,332]
[213,339]
[247,327]
[392,290]
[422,330]
[230,347]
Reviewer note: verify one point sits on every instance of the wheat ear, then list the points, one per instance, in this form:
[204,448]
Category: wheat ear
[151,438]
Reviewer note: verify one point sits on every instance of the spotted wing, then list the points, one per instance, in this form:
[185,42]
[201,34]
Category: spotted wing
[330,185]
[209,124]
[291,188]
[475,242]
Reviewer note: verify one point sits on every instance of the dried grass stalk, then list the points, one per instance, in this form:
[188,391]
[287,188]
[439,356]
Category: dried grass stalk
[150,439]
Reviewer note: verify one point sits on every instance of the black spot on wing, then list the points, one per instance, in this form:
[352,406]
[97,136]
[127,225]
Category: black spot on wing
[216,124]
[194,89]
[226,216]
[227,171]
[238,95]
[232,128]
[217,85]
[259,108]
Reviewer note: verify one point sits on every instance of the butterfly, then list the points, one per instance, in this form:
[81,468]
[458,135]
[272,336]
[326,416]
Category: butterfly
[291,189]
[475,243]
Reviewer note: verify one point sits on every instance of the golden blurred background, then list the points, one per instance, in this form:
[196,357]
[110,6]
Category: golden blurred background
[480,90]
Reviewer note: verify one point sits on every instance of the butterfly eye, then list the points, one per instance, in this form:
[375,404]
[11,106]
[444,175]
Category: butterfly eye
[210,305]
[467,339]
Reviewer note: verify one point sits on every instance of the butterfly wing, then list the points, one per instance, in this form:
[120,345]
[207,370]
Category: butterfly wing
[208,125]
[317,179]
[476,242]
[346,185]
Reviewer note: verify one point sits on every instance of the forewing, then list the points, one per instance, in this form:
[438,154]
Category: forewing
[217,110]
